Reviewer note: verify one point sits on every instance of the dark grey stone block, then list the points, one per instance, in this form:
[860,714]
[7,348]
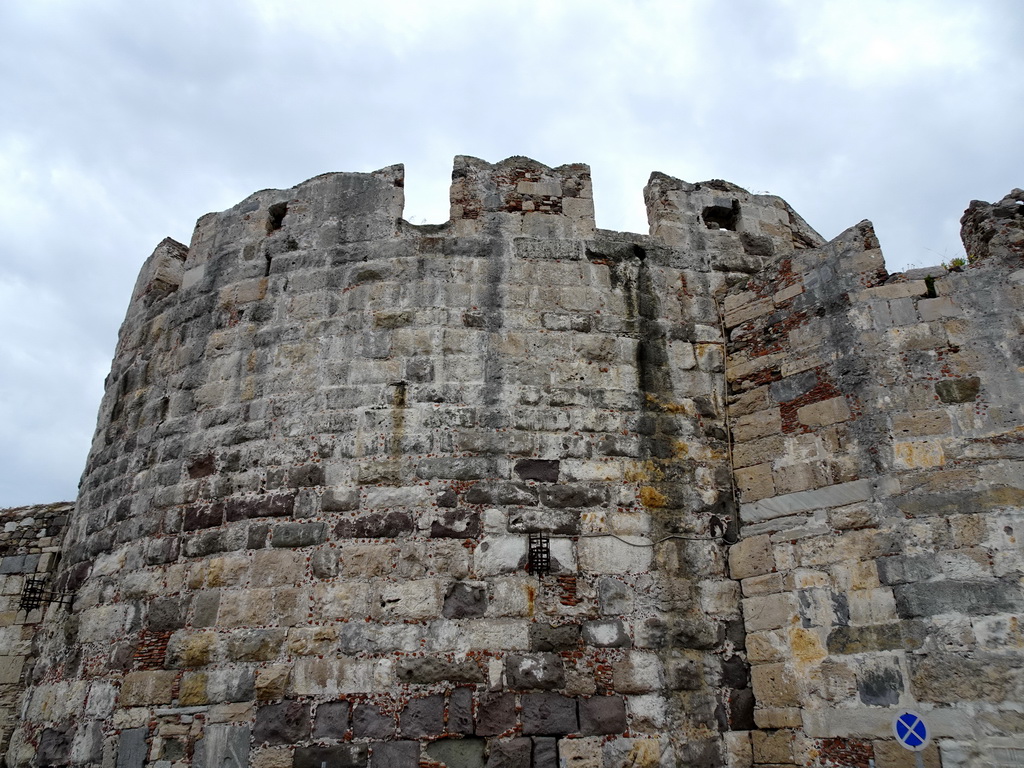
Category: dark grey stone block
[792,387]
[495,714]
[460,711]
[502,492]
[958,390]
[284,723]
[548,714]
[422,717]
[132,748]
[539,670]
[166,614]
[541,470]
[55,746]
[468,468]
[741,710]
[331,720]
[340,756]
[340,500]
[306,476]
[974,598]
[429,669]
[455,524]
[465,600]
[395,754]
[545,752]
[899,569]
[545,637]
[602,715]
[369,723]
[223,746]
[509,753]
[880,687]
[376,525]
[458,753]
[297,534]
[563,496]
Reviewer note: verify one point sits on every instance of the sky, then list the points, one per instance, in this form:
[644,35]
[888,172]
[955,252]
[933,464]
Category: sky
[122,122]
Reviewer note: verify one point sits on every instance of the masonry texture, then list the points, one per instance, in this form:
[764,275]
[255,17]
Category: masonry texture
[515,491]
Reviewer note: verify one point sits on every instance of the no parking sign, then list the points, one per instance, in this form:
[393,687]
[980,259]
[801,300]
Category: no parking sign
[911,732]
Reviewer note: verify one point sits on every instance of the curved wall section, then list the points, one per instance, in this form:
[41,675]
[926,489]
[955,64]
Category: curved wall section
[364,493]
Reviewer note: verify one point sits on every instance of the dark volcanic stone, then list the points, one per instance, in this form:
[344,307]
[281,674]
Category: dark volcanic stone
[284,723]
[539,670]
[465,600]
[422,717]
[395,754]
[602,715]
[331,720]
[341,756]
[548,714]
[541,470]
[458,753]
[545,637]
[509,753]
[297,535]
[958,390]
[376,525]
[495,714]
[369,722]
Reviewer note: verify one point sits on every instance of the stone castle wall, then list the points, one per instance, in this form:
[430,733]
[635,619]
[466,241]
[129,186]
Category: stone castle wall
[366,493]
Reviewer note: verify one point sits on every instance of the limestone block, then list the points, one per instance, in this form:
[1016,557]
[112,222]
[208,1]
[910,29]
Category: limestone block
[333,677]
[499,554]
[871,606]
[580,753]
[647,712]
[751,556]
[498,634]
[920,423]
[755,482]
[605,554]
[415,599]
[147,688]
[837,495]
[769,611]
[10,669]
[826,412]
[774,686]
[342,599]
[758,424]
[894,291]
[638,672]
[938,308]
[774,747]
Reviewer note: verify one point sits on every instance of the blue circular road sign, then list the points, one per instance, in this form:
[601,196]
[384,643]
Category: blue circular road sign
[910,729]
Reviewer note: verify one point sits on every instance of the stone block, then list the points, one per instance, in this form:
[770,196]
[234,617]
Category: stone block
[586,753]
[331,721]
[751,556]
[368,722]
[541,470]
[638,672]
[548,714]
[614,597]
[610,555]
[806,501]
[132,749]
[920,423]
[509,753]
[774,686]
[415,599]
[758,424]
[958,390]
[297,534]
[769,611]
[427,670]
[602,715]
[973,598]
[823,413]
[755,482]
[465,600]
[395,754]
[338,756]
[285,723]
[606,633]
[140,689]
[458,753]
[541,670]
[495,714]
[422,717]
[773,747]
[224,746]
[460,711]
[10,669]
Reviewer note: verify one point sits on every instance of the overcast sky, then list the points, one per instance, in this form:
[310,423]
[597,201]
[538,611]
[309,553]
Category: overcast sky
[121,122]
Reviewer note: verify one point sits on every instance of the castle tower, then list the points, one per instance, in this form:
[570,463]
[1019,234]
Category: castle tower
[516,491]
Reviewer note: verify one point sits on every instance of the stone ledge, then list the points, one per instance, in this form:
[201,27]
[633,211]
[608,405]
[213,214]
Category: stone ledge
[806,501]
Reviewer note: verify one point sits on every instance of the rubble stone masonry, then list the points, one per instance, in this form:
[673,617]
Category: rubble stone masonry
[513,491]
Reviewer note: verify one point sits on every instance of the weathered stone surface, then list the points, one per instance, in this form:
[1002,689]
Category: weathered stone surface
[284,723]
[548,714]
[132,748]
[539,670]
[224,745]
[602,715]
[977,598]
[421,717]
[331,720]
[342,756]
[458,753]
[495,714]
[395,754]
[369,722]
[465,600]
